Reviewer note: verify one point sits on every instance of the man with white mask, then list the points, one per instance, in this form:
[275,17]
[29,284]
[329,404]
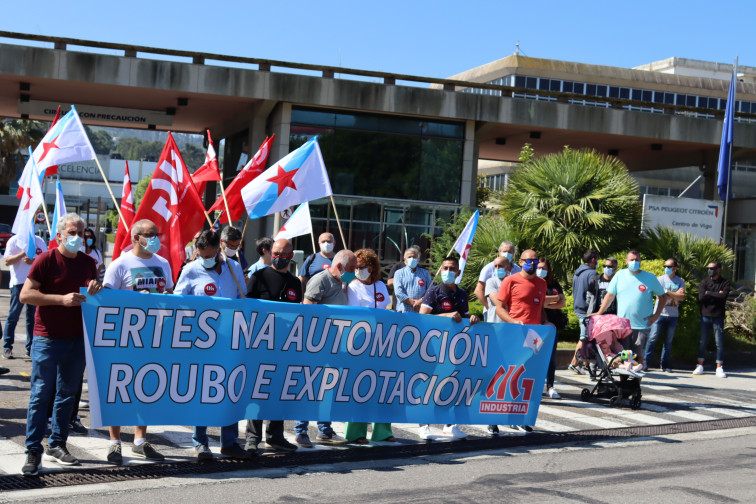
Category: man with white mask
[140,269]
[319,261]
[231,239]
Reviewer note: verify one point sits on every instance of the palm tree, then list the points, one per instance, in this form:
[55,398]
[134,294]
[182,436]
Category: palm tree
[15,135]
[565,203]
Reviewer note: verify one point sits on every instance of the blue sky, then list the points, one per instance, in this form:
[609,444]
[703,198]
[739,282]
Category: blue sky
[432,39]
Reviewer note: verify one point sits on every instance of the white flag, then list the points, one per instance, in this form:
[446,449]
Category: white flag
[464,243]
[298,224]
[23,225]
[533,341]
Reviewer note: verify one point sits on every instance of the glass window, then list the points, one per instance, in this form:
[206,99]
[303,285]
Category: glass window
[543,84]
[531,83]
[625,93]
[567,86]
[519,81]
[601,90]
[648,95]
[637,94]
[579,88]
[680,99]
[590,89]
[613,92]
[669,98]
[555,85]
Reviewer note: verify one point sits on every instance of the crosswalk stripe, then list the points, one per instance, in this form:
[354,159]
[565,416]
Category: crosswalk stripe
[632,416]
[590,420]
[12,456]
[546,425]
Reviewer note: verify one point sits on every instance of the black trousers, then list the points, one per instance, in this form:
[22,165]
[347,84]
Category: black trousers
[275,430]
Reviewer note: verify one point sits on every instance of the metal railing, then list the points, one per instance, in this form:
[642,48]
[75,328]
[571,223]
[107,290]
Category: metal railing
[266,65]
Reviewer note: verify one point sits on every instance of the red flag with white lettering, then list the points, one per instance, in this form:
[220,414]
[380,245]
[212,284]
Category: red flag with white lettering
[123,237]
[252,169]
[173,204]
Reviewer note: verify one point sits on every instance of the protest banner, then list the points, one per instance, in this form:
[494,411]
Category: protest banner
[158,359]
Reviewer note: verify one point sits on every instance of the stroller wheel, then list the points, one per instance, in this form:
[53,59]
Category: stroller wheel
[585,395]
[635,402]
[615,401]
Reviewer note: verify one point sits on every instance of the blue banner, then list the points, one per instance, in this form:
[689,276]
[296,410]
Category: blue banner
[156,359]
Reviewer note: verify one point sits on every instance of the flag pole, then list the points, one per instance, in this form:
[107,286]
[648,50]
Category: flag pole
[223,189]
[110,190]
[729,157]
[245,228]
[312,236]
[336,213]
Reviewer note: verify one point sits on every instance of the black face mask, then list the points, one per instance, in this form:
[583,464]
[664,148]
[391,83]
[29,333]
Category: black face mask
[280,262]
[712,272]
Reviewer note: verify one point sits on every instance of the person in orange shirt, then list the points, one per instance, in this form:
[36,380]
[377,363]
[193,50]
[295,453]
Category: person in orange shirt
[523,297]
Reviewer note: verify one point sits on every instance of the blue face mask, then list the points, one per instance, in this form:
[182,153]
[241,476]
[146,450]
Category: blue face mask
[507,255]
[209,263]
[90,242]
[448,277]
[412,262]
[73,243]
[153,244]
[347,276]
[608,271]
[668,271]
[633,265]
[501,273]
[542,272]
[529,267]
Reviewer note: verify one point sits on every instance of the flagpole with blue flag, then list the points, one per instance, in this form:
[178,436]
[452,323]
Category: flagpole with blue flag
[724,166]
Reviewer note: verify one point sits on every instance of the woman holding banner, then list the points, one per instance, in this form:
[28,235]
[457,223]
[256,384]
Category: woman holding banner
[367,290]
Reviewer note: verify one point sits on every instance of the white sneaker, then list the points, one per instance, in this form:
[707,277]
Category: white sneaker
[454,432]
[553,394]
[720,372]
[698,370]
[424,432]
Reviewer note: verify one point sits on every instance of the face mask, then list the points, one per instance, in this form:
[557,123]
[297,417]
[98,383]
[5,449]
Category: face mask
[230,252]
[362,274]
[90,242]
[326,247]
[73,243]
[633,265]
[412,262]
[501,273]
[542,272]
[448,277]
[153,245]
[209,263]
[668,271]
[507,255]
[529,267]
[280,262]
[608,271]
[347,276]
[712,272]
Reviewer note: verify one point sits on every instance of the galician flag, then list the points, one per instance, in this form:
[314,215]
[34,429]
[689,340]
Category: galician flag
[533,341]
[298,224]
[31,199]
[724,167]
[298,177]
[58,213]
[65,142]
[464,243]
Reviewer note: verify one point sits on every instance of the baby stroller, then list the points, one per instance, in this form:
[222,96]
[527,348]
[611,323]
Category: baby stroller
[603,347]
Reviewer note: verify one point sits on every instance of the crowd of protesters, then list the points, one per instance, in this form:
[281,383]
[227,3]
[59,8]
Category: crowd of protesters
[516,289]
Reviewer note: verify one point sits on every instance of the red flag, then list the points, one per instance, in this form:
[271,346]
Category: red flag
[51,170]
[209,171]
[123,237]
[252,169]
[173,204]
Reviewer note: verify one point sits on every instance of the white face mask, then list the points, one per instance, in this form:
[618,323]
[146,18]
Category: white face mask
[362,274]
[326,247]
[230,252]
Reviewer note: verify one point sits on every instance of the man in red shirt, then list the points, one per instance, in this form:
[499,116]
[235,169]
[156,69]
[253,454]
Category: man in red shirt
[58,346]
[522,295]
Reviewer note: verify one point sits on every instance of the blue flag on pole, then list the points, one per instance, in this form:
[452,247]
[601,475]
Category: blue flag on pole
[725,146]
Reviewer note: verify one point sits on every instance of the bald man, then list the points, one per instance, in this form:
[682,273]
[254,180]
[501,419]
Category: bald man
[318,261]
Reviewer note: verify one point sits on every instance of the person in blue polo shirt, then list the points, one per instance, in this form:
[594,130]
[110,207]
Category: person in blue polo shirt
[634,290]
[213,274]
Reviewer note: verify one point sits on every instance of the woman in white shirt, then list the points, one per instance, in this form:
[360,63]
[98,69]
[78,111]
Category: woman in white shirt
[367,290]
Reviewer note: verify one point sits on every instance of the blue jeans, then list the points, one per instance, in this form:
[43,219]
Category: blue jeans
[228,435]
[706,325]
[656,329]
[53,361]
[581,318]
[14,312]
[323,428]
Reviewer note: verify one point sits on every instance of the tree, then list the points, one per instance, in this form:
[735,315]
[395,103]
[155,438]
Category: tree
[101,141]
[193,156]
[568,202]
[140,189]
[482,192]
[14,136]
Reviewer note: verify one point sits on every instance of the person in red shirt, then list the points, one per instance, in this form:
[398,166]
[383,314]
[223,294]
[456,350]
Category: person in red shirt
[523,295]
[58,346]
